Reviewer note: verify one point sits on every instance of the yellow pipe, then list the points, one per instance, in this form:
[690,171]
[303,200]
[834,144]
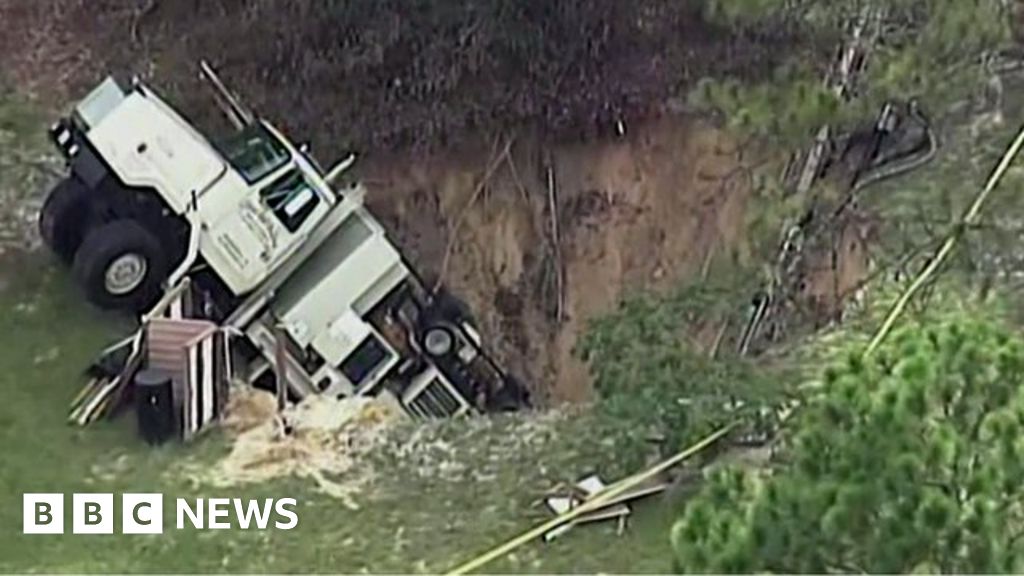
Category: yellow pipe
[970,218]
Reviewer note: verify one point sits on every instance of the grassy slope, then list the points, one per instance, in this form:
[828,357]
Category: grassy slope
[410,524]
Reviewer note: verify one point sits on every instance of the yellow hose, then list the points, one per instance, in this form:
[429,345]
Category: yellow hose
[970,218]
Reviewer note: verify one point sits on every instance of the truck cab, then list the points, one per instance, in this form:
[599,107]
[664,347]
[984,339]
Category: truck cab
[253,196]
[266,205]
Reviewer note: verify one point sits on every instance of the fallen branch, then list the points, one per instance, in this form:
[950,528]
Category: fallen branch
[556,242]
[718,339]
[139,14]
[705,269]
[517,180]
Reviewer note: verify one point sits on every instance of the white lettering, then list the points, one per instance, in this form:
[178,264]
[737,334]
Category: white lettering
[252,509]
[184,510]
[282,510]
[218,508]
[143,513]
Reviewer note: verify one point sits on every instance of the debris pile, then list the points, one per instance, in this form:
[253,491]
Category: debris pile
[616,508]
[444,451]
[320,438]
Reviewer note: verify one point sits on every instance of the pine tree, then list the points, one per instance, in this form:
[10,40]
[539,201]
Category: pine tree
[909,461]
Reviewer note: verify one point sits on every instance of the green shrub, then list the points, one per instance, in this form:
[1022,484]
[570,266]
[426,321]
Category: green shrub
[390,72]
[909,461]
[929,49]
[651,378]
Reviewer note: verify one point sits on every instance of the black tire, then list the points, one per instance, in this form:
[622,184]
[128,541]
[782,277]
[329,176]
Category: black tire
[121,246]
[64,218]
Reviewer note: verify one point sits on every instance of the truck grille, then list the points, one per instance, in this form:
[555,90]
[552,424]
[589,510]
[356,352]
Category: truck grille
[436,400]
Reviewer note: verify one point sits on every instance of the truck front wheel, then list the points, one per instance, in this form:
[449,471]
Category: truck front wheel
[121,266]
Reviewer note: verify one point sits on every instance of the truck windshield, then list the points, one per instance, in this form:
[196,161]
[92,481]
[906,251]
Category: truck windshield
[254,152]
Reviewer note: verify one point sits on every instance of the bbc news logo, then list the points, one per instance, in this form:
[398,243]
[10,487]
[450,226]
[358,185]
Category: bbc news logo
[144,514]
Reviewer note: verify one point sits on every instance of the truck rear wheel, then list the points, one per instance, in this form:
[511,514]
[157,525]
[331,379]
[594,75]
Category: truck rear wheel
[121,266]
[63,219]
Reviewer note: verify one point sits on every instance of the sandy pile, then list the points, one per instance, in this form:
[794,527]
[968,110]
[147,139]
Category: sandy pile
[319,438]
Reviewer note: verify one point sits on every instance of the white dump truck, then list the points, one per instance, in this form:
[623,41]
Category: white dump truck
[272,249]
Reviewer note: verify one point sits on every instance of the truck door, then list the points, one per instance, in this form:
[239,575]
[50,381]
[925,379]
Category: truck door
[261,228]
[294,206]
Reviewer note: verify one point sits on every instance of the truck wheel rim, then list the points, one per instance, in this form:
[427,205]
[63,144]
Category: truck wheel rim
[125,274]
[437,341]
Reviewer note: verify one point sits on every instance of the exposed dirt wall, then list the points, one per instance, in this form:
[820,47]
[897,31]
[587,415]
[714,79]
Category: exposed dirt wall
[636,212]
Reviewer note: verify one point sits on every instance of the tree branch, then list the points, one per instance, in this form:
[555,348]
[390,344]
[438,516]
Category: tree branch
[496,161]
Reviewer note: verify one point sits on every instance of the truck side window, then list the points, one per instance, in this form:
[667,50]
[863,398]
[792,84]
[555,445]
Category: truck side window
[365,360]
[291,199]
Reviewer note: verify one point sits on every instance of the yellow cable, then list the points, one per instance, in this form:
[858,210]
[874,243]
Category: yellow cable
[970,217]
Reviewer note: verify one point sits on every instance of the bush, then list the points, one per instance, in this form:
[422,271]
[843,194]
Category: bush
[652,378]
[909,461]
[928,49]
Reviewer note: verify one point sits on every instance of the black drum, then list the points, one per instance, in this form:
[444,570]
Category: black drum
[154,406]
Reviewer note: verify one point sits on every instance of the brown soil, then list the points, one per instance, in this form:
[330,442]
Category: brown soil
[634,213]
[827,283]
[40,53]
